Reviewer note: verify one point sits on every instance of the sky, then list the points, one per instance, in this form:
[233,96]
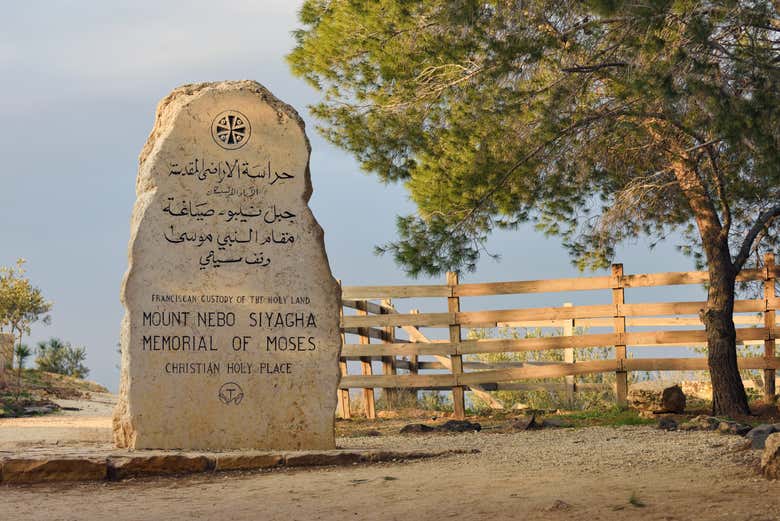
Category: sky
[80,83]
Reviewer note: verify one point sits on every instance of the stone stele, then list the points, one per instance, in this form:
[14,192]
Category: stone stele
[230,338]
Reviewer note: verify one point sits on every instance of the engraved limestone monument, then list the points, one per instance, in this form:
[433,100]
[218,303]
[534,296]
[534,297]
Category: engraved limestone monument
[231,332]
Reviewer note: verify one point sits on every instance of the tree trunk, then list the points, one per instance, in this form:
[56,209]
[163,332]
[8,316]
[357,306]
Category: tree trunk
[19,363]
[728,393]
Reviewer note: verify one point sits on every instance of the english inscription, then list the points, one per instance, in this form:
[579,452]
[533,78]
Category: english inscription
[230,338]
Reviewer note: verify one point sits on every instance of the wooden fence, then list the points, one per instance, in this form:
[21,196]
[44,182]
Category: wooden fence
[375,318]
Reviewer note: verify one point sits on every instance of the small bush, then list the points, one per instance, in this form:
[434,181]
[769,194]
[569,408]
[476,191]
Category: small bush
[56,356]
[610,416]
[543,399]
[395,399]
[434,401]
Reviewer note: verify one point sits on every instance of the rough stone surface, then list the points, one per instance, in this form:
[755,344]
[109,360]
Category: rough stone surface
[697,389]
[160,465]
[448,426]
[644,399]
[770,459]
[459,426]
[27,470]
[248,461]
[230,338]
[673,400]
[378,456]
[759,434]
[741,429]
[416,428]
[730,427]
[320,459]
[701,423]
[92,467]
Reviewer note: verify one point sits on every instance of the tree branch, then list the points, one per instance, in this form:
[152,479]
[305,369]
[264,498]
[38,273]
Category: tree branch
[584,122]
[591,68]
[721,191]
[763,220]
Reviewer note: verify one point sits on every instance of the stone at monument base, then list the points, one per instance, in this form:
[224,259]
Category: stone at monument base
[231,334]
[119,465]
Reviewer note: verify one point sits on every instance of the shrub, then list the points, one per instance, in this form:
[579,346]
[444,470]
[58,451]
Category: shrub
[56,356]
[542,399]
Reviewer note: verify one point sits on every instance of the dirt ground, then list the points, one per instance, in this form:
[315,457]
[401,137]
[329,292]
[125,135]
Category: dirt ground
[88,422]
[593,473]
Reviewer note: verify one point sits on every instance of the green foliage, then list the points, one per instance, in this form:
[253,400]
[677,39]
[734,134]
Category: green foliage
[612,416]
[543,399]
[635,501]
[397,399]
[22,353]
[434,401]
[598,121]
[56,356]
[21,303]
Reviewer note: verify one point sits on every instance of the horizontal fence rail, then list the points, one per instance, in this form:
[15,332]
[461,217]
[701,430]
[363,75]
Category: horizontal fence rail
[542,286]
[377,323]
[479,319]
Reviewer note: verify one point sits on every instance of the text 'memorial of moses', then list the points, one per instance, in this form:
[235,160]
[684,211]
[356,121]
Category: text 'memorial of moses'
[231,332]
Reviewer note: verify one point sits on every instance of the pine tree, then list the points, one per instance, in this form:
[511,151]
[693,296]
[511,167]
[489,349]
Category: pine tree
[600,121]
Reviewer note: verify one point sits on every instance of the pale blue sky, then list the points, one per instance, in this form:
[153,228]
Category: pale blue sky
[80,83]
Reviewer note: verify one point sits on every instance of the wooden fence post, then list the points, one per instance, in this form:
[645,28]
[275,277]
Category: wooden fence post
[453,306]
[388,362]
[618,299]
[343,394]
[770,316]
[365,364]
[413,360]
[568,357]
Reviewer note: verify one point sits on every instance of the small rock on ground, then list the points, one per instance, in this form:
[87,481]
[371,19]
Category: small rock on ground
[644,399]
[448,426]
[701,423]
[770,459]
[459,426]
[729,427]
[759,434]
[673,400]
[416,428]
[558,506]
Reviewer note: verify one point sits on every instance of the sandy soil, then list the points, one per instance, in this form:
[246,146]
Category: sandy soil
[589,474]
[90,423]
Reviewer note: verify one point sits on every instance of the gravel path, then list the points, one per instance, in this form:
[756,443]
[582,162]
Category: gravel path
[590,474]
[592,448]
